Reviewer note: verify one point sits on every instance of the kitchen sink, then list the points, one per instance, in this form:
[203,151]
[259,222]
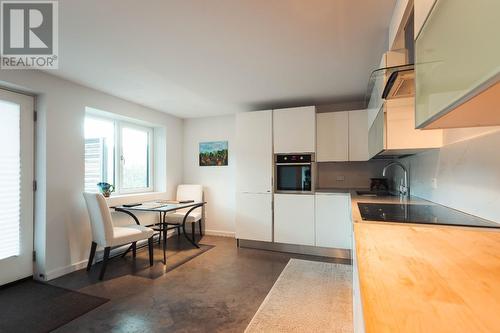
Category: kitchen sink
[374,193]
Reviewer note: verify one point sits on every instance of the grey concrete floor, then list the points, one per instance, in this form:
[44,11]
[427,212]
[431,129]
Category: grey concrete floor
[217,291]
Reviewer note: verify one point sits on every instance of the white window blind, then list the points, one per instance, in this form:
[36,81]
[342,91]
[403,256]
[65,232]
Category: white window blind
[94,163]
[99,152]
[10,179]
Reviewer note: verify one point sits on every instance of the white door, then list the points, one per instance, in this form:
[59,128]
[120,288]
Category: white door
[16,186]
[294,219]
[254,216]
[254,154]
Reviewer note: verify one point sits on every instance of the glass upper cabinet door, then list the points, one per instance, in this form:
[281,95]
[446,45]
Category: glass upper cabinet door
[457,58]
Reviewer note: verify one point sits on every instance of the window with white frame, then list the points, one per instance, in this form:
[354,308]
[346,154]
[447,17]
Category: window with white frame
[119,153]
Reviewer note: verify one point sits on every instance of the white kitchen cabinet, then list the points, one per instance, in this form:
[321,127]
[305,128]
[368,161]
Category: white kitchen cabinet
[254,217]
[254,155]
[253,150]
[358,135]
[379,78]
[294,130]
[393,131]
[294,219]
[332,137]
[333,220]
[376,134]
[342,136]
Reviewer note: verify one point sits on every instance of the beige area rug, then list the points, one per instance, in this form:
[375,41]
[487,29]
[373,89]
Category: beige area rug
[308,296]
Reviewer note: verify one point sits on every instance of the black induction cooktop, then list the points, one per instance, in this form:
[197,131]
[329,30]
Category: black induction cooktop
[423,214]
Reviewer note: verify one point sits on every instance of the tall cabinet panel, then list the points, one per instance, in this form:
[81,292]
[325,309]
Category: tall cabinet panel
[294,130]
[254,155]
[254,176]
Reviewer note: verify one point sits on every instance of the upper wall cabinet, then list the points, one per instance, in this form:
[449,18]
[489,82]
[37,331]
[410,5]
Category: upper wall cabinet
[422,8]
[342,136]
[294,130]
[358,136]
[458,65]
[332,137]
[378,80]
[393,133]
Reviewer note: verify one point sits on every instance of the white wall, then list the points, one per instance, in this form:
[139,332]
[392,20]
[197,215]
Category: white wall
[218,182]
[467,171]
[62,230]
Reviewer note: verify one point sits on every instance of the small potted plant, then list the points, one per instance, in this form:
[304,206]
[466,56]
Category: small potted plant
[105,188]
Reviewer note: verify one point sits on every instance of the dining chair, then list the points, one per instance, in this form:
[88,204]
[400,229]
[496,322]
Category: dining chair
[104,234]
[187,192]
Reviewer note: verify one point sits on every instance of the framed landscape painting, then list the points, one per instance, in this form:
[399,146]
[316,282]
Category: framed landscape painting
[213,153]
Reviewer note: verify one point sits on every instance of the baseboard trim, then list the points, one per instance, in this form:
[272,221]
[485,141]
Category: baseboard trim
[220,233]
[58,272]
[299,249]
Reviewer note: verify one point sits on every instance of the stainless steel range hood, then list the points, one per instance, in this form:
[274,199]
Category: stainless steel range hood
[391,115]
[401,83]
[391,83]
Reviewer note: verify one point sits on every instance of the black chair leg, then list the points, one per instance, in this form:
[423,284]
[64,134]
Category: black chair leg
[201,230]
[193,229]
[104,262]
[124,254]
[150,248]
[161,228]
[92,255]
[178,231]
[134,249]
[165,244]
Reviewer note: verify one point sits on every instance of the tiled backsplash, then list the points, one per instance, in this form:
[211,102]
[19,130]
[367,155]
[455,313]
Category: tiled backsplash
[354,174]
[464,174]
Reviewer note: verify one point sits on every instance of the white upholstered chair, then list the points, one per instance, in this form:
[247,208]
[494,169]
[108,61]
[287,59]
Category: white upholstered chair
[106,235]
[188,192]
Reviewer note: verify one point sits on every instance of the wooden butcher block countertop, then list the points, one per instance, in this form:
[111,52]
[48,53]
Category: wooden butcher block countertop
[420,278]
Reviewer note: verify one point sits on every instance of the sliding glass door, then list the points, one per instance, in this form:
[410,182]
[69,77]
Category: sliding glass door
[16,186]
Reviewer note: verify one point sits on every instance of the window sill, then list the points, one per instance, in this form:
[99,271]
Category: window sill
[120,199]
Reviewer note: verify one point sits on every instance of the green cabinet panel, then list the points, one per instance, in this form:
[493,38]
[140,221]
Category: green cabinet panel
[457,55]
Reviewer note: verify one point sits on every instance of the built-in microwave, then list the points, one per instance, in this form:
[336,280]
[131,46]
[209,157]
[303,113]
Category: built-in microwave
[294,173]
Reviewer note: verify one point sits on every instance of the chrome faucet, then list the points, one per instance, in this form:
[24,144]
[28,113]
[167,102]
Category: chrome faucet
[404,189]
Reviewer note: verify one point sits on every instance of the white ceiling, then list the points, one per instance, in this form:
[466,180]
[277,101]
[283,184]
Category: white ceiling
[193,58]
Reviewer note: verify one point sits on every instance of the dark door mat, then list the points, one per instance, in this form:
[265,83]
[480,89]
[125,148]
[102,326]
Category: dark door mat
[32,306]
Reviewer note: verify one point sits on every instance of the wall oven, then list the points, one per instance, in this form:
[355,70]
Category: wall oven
[294,173]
